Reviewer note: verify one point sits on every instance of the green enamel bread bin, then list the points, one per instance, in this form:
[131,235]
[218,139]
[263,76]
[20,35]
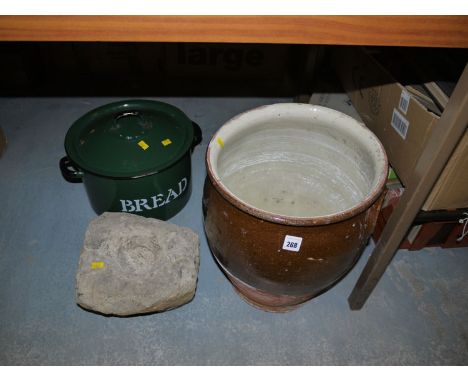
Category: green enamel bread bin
[133,156]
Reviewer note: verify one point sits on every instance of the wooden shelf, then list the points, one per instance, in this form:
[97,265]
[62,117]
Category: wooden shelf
[423,31]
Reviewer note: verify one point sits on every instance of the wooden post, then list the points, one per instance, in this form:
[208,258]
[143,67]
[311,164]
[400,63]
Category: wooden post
[432,161]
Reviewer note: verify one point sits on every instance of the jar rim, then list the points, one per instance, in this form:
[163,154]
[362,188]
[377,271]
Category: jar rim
[222,136]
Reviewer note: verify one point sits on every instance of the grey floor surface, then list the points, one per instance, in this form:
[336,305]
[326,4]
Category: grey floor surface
[417,314]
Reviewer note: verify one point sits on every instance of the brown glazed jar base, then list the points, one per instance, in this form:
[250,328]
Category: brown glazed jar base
[266,301]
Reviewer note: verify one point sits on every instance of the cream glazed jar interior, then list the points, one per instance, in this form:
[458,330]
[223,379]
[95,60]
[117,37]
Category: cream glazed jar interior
[297,160]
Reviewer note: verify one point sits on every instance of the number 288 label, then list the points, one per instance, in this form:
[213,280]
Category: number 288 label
[292,243]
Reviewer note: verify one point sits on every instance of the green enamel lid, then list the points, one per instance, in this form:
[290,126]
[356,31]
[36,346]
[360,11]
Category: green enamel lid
[129,138]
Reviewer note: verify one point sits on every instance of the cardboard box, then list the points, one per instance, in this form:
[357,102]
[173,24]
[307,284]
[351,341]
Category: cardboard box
[451,189]
[401,122]
[335,101]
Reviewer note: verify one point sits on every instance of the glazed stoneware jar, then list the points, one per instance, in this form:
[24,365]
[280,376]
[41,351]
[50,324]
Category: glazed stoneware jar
[291,197]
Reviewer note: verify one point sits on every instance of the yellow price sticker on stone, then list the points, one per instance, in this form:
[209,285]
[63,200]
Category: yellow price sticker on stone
[166,142]
[143,145]
[97,265]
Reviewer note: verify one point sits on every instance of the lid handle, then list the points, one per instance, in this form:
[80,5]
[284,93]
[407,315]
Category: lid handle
[128,129]
[126,114]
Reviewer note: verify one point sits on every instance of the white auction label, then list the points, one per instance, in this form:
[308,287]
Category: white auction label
[292,243]
[404,101]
